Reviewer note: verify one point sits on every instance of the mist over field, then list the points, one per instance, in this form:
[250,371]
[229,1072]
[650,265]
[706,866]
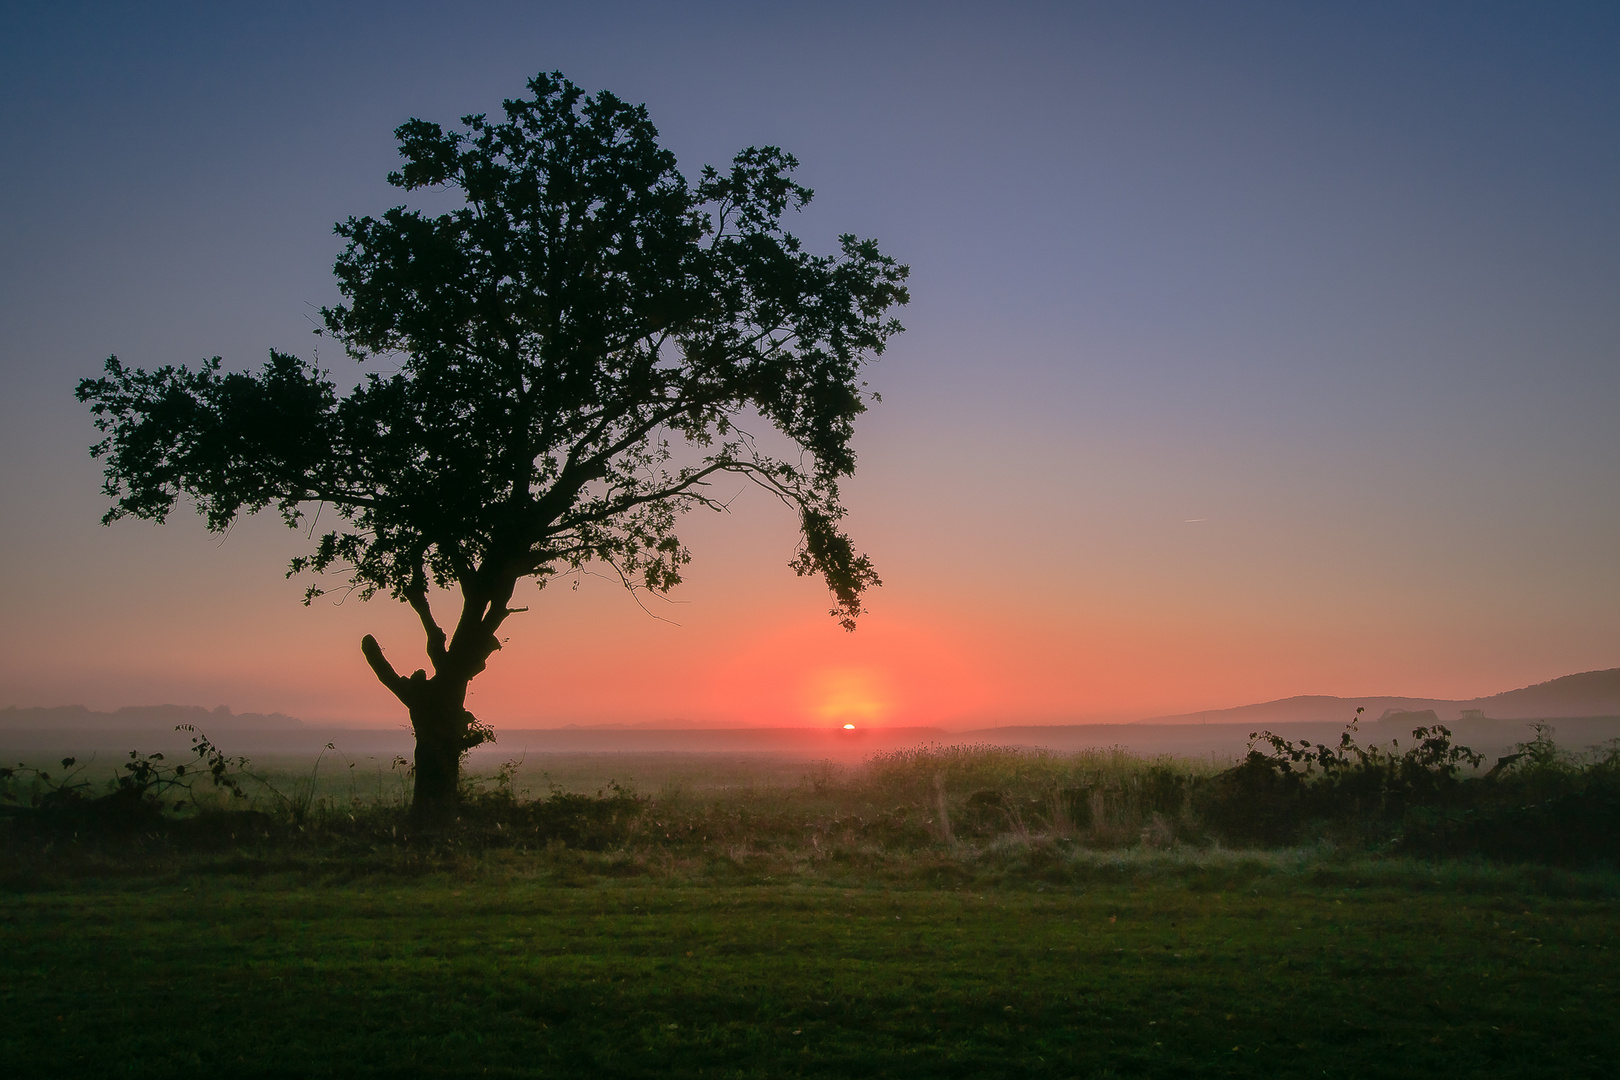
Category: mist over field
[1584,708]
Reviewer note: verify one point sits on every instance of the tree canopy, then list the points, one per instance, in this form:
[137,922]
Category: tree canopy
[562,363]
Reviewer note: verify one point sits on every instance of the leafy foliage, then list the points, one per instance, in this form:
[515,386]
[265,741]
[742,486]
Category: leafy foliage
[1537,804]
[584,306]
[144,791]
[1270,795]
[1540,804]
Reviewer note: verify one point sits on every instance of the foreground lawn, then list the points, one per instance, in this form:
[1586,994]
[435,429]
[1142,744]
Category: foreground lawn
[503,974]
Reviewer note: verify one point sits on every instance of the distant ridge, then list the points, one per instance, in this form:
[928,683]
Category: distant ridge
[142,718]
[1590,693]
[1586,694]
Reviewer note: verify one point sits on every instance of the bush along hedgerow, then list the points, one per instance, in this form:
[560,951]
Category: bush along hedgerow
[1540,804]
[1430,798]
[146,790]
[1282,787]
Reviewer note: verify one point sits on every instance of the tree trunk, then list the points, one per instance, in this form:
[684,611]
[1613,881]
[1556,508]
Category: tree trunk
[444,729]
[440,724]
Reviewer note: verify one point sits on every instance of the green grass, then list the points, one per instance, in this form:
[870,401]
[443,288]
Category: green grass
[953,911]
[1146,964]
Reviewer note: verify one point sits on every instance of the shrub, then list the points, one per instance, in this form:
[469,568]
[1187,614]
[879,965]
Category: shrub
[1539,804]
[1276,791]
[146,789]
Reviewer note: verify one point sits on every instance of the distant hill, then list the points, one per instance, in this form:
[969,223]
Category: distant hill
[1589,693]
[142,718]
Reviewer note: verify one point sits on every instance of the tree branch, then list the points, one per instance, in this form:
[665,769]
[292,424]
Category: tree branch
[752,470]
[416,595]
[397,684]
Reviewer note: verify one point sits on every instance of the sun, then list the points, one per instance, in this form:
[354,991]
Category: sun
[849,696]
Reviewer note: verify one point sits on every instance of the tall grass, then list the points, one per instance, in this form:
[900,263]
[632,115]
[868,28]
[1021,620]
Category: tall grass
[989,808]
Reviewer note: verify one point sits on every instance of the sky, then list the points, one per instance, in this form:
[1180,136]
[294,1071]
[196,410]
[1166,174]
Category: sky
[1254,349]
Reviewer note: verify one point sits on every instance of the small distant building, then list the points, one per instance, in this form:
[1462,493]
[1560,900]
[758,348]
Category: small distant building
[1472,714]
[1409,719]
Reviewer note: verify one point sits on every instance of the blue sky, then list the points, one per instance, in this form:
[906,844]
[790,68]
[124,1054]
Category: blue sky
[1256,349]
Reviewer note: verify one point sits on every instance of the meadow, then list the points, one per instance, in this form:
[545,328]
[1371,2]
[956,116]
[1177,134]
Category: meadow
[947,911]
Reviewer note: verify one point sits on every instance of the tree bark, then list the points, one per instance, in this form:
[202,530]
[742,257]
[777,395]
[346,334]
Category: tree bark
[440,724]
[443,729]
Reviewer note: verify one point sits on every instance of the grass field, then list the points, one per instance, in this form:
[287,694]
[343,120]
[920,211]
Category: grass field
[1163,965]
[944,912]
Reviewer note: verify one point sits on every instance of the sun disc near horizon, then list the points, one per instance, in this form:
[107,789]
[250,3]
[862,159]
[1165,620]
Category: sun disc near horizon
[849,696]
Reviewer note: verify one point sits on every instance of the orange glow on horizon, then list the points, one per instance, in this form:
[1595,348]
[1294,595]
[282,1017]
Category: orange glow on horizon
[848,693]
[889,672]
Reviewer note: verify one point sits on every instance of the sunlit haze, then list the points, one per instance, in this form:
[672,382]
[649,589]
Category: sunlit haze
[1254,350]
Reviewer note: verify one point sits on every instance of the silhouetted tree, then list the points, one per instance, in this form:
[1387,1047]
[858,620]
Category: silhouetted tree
[572,350]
